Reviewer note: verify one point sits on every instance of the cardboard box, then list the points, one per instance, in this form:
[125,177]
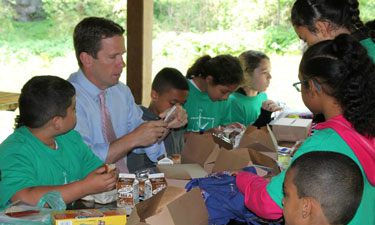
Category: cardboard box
[182,171]
[90,217]
[291,129]
[176,182]
[171,206]
[200,149]
[261,140]
[240,158]
[178,175]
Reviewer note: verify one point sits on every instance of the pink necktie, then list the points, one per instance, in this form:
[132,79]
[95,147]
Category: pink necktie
[108,131]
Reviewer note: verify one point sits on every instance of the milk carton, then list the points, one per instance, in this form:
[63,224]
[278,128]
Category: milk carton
[127,192]
[155,183]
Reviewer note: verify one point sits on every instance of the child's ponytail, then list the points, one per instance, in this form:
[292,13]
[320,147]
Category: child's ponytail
[18,122]
[197,69]
[356,20]
[345,72]
[224,69]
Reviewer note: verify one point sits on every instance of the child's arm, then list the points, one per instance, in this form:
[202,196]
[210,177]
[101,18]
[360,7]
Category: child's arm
[257,198]
[97,181]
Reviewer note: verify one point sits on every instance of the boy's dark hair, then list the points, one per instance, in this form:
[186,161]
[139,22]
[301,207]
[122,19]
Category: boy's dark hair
[342,13]
[168,78]
[224,69]
[252,59]
[344,71]
[42,98]
[90,31]
[331,178]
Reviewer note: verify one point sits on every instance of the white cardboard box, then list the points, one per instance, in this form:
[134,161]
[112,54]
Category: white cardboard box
[291,129]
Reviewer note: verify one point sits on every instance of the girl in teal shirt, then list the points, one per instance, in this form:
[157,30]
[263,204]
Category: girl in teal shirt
[318,20]
[211,81]
[337,79]
[250,102]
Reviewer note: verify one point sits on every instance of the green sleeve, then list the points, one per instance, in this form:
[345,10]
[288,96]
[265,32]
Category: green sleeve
[226,116]
[275,188]
[17,171]
[90,161]
[238,112]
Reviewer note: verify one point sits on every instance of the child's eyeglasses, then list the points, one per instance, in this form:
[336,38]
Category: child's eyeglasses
[297,85]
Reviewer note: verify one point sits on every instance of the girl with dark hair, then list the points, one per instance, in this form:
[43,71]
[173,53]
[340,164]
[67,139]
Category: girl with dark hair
[318,20]
[337,79]
[211,81]
[249,105]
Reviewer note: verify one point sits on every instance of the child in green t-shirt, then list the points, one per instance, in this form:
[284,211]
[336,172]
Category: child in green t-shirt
[44,153]
[249,104]
[315,21]
[211,81]
[337,79]
[322,188]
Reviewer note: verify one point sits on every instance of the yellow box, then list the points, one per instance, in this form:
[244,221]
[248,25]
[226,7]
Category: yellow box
[89,217]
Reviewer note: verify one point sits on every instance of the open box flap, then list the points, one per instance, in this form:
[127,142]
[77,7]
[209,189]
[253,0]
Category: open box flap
[198,149]
[259,139]
[240,158]
[189,209]
[182,208]
[230,160]
[154,204]
[182,171]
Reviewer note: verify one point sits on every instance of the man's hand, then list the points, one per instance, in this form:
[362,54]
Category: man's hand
[149,132]
[271,106]
[179,117]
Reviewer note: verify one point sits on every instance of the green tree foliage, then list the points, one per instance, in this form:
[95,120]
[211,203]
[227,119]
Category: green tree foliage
[367,10]
[191,16]
[65,14]
[231,26]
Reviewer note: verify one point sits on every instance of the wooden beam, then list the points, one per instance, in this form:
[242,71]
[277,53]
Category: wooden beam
[139,49]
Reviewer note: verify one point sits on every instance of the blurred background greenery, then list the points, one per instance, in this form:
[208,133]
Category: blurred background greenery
[40,42]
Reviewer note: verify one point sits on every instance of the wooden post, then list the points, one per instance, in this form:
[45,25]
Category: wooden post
[139,49]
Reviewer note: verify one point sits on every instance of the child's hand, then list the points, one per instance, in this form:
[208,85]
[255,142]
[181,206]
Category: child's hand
[271,106]
[179,117]
[98,181]
[236,125]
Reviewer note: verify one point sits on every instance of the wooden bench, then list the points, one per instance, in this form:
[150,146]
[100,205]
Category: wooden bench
[8,101]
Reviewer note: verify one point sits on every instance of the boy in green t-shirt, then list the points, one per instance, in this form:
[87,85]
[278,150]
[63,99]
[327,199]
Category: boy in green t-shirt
[322,188]
[44,153]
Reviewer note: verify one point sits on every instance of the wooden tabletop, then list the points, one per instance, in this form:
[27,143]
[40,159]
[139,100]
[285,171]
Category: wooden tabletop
[8,101]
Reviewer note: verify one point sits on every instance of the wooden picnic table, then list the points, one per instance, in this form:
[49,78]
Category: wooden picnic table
[8,101]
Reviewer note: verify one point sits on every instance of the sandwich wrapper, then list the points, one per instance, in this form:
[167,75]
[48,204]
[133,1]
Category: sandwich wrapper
[102,198]
[261,140]
[171,206]
[258,148]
